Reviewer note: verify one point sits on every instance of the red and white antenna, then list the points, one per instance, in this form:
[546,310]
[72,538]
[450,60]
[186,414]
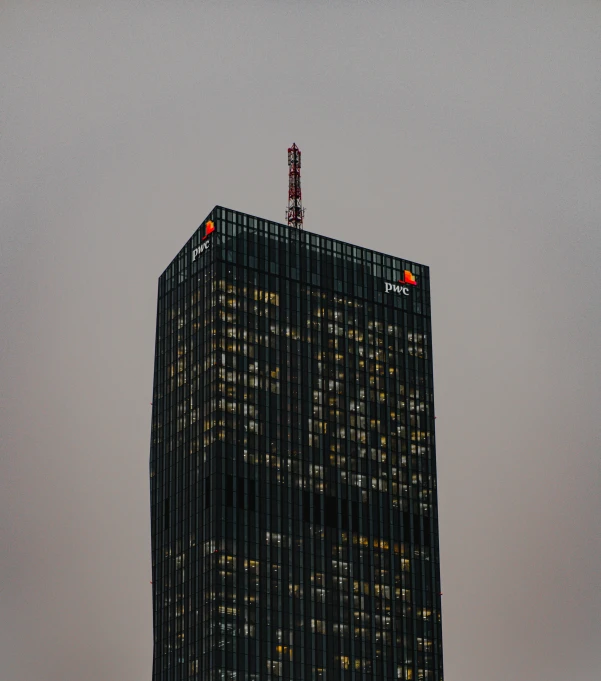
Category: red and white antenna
[295,212]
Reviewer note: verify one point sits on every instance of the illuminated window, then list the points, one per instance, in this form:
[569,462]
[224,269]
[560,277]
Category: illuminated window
[344,662]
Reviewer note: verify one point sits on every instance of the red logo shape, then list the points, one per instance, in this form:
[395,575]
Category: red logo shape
[209,228]
[408,278]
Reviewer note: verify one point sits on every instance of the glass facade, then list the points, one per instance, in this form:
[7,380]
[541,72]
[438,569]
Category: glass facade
[292,466]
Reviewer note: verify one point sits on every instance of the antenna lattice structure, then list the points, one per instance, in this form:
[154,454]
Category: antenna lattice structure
[295,212]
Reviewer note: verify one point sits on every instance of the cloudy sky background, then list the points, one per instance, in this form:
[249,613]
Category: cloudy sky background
[465,135]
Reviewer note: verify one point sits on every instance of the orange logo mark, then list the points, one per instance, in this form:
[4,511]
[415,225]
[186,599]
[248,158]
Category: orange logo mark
[408,278]
[209,227]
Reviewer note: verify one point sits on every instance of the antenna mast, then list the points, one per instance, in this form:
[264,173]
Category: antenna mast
[295,212]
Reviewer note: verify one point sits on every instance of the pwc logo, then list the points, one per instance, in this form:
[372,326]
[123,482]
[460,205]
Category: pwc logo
[407,280]
[209,229]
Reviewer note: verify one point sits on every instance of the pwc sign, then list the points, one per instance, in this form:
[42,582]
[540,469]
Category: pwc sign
[403,284]
[209,229]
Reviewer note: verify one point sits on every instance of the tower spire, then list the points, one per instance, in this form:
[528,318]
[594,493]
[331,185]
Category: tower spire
[295,212]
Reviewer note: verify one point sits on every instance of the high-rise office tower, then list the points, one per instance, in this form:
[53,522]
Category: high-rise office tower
[293,472]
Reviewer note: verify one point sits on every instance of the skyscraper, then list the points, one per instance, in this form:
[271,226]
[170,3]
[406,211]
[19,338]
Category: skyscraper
[292,466]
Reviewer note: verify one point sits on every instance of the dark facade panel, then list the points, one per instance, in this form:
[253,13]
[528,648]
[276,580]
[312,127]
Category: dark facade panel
[293,473]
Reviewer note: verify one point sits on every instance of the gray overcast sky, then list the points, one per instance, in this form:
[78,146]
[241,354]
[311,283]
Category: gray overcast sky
[465,135]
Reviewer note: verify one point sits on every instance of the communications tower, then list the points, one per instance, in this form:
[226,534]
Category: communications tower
[295,212]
